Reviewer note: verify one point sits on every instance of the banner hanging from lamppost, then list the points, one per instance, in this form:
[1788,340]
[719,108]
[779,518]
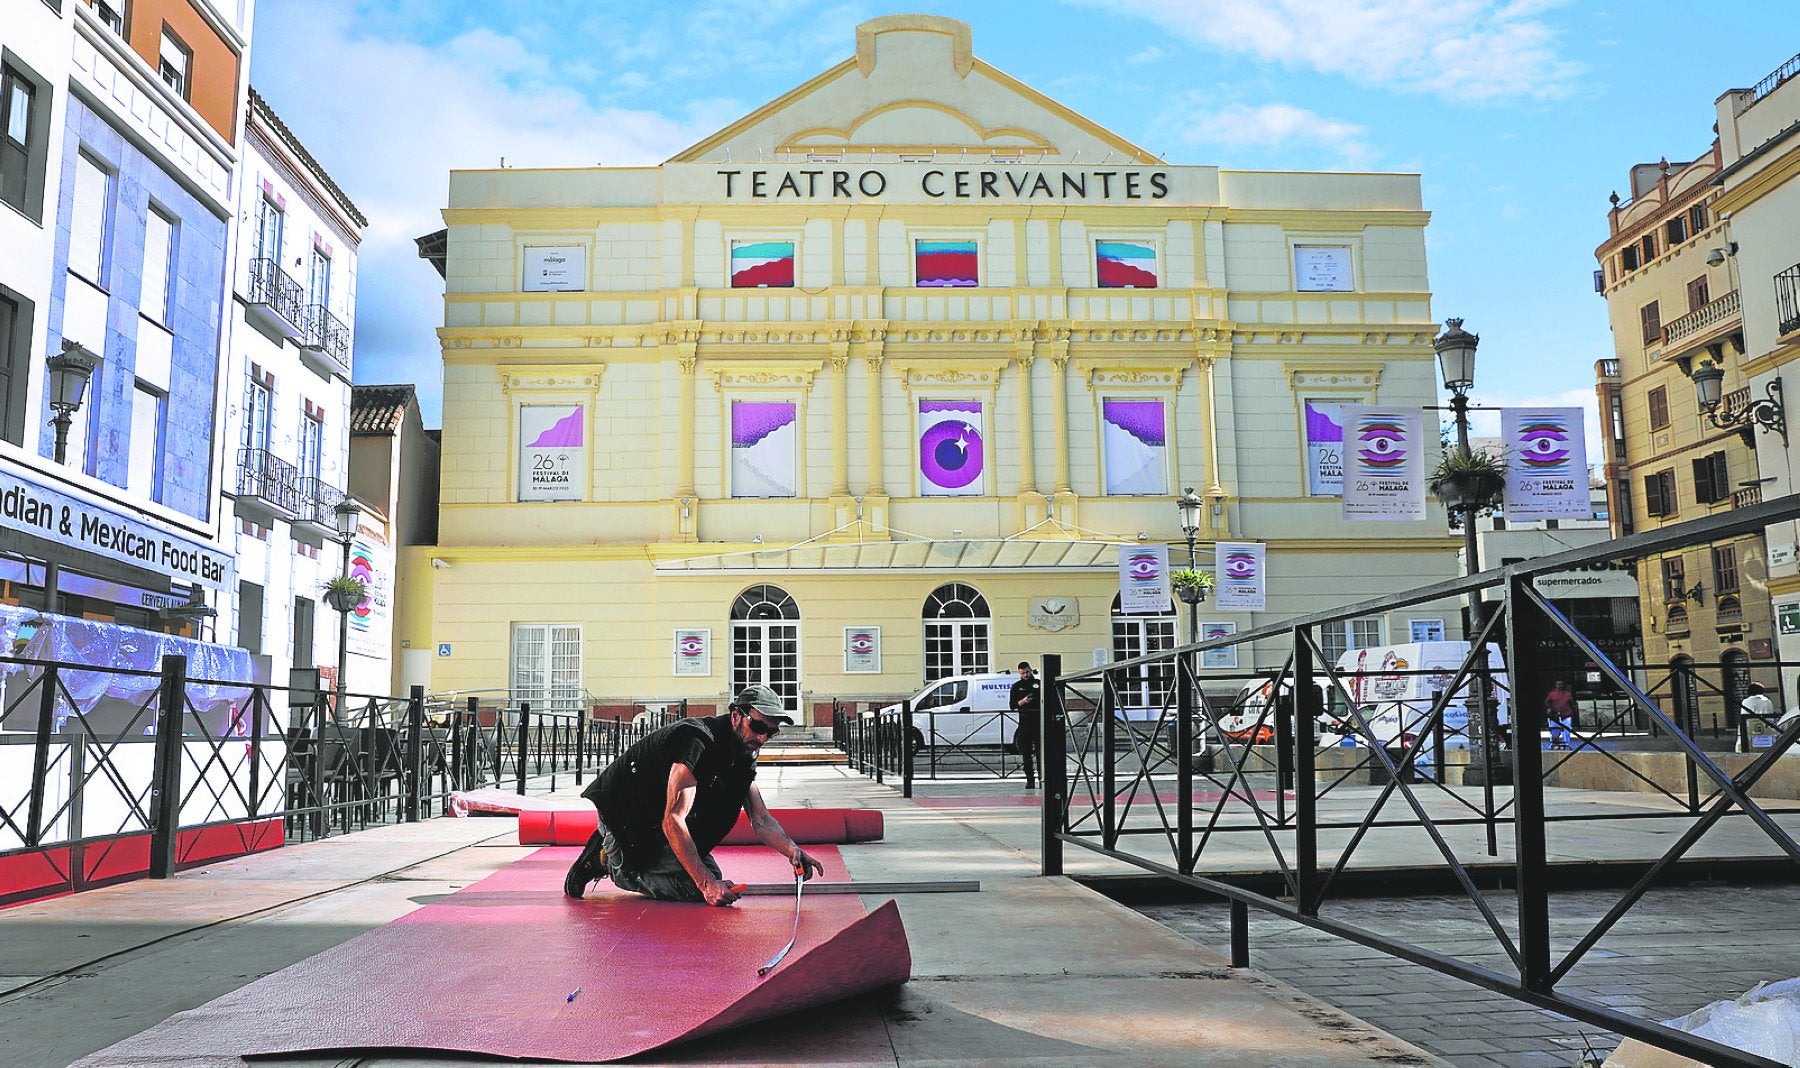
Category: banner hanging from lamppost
[1240,584]
[1144,579]
[1546,477]
[1384,462]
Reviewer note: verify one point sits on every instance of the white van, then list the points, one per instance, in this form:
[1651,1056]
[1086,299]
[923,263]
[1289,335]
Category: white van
[1396,705]
[966,710]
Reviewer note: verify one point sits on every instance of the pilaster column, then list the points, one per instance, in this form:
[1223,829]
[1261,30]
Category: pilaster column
[684,345]
[1064,499]
[1033,506]
[840,417]
[875,496]
[1215,526]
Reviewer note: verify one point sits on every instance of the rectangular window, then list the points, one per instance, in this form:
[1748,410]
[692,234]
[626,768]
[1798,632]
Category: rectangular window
[15,345]
[1676,230]
[112,15]
[319,284]
[1674,574]
[1725,570]
[762,265]
[1712,482]
[24,137]
[1647,248]
[312,445]
[765,448]
[1341,636]
[952,264]
[1659,408]
[1651,316]
[1697,294]
[302,653]
[269,217]
[546,667]
[250,617]
[258,400]
[174,62]
[90,218]
[1134,446]
[1616,404]
[1626,524]
[159,266]
[1125,264]
[149,412]
[1659,493]
[1628,258]
[1697,218]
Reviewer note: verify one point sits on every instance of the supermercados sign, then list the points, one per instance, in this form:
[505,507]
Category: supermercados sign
[57,517]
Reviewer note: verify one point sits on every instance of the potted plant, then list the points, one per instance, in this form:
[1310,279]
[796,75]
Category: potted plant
[1190,584]
[344,592]
[1469,477]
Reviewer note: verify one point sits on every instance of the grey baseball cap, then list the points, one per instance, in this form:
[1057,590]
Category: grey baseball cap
[765,701]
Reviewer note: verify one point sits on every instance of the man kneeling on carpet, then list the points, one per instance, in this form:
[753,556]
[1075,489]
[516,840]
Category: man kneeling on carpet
[672,797]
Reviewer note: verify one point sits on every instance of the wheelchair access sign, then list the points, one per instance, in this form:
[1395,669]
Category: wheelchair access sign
[443,648]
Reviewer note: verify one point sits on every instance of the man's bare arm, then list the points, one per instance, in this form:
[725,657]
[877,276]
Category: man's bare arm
[770,833]
[682,790]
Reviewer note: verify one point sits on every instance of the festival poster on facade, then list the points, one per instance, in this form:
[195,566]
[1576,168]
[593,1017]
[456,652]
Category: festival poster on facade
[862,650]
[764,445]
[552,457]
[951,451]
[693,651]
[762,265]
[1218,658]
[1324,448]
[1134,439]
[370,624]
[1384,462]
[1144,579]
[1241,579]
[1547,476]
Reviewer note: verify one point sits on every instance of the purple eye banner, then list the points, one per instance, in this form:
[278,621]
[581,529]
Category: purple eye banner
[1240,577]
[1384,462]
[1144,579]
[951,453]
[1546,475]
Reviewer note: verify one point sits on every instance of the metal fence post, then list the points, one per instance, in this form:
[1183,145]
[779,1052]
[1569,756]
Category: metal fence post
[165,778]
[1053,743]
[580,743]
[524,749]
[259,700]
[1109,765]
[907,748]
[320,817]
[40,757]
[1186,684]
[1526,629]
[456,750]
[875,744]
[415,768]
[1306,809]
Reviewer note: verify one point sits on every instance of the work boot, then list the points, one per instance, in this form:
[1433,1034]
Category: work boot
[590,865]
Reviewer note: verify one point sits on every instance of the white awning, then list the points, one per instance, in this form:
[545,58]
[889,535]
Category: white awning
[995,554]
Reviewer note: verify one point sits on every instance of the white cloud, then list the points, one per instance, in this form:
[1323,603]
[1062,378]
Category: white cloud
[390,119]
[1146,56]
[1276,126]
[1470,50]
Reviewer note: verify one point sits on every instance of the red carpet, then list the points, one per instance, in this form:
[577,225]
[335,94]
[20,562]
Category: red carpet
[489,970]
[808,826]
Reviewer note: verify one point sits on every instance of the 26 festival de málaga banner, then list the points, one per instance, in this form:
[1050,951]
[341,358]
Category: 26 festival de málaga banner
[763,449]
[952,454]
[552,458]
[1546,476]
[1144,579]
[1240,577]
[1384,462]
[1324,448]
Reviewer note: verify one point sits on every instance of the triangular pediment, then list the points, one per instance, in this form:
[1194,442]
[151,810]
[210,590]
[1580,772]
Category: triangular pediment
[914,92]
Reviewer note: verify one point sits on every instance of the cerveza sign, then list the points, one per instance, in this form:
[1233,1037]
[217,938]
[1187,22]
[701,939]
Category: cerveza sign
[57,517]
[939,183]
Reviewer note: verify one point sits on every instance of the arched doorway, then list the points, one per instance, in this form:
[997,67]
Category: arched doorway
[1685,693]
[1735,667]
[765,643]
[958,632]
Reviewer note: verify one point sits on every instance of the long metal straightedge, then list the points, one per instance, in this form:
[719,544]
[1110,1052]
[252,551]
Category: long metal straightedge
[949,886]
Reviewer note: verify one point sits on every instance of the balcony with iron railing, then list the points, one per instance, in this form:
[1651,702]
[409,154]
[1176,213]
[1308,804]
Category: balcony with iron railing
[269,481]
[274,301]
[327,338]
[1768,85]
[1702,324]
[1787,301]
[318,504]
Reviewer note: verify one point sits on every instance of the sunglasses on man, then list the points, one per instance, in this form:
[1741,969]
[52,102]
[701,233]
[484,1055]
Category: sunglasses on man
[761,726]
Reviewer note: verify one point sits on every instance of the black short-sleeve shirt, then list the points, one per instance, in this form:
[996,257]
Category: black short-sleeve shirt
[632,793]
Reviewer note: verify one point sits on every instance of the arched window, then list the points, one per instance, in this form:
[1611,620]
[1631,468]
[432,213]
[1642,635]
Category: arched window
[1685,691]
[957,632]
[1143,692]
[765,643]
[1678,621]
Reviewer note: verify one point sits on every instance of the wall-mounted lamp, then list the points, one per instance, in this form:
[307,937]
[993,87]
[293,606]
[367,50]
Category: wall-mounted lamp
[438,563]
[1716,256]
[1143,535]
[1217,495]
[684,507]
[1696,595]
[757,539]
[1765,412]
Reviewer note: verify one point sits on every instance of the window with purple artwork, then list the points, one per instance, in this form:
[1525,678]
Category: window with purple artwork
[941,264]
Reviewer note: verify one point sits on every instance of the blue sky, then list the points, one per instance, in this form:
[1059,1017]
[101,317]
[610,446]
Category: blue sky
[1521,116]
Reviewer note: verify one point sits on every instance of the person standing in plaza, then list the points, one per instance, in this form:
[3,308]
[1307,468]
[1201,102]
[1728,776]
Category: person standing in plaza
[672,797]
[1755,706]
[1026,699]
[1561,708]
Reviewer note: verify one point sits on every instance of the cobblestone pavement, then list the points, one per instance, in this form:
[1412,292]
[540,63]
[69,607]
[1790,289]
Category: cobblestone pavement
[1677,950]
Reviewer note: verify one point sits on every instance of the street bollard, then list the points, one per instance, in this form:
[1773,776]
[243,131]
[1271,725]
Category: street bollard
[165,778]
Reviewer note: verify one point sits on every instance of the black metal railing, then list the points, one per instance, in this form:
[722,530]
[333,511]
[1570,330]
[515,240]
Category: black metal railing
[327,333]
[1768,85]
[266,476]
[1466,770]
[318,502]
[270,285]
[1787,301]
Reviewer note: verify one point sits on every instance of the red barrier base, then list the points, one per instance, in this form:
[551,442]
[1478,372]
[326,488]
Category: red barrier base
[808,826]
[510,968]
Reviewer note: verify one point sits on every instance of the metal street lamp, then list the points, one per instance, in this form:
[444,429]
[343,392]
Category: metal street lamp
[1456,359]
[70,370]
[1190,505]
[1766,412]
[348,514]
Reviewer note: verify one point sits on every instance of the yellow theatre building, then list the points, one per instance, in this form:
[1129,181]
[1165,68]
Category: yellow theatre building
[870,388]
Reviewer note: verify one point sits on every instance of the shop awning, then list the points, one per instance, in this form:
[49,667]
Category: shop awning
[995,554]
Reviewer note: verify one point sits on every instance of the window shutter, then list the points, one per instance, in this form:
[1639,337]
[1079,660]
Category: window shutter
[87,219]
[1703,487]
[1652,316]
[159,241]
[1721,477]
[1653,496]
